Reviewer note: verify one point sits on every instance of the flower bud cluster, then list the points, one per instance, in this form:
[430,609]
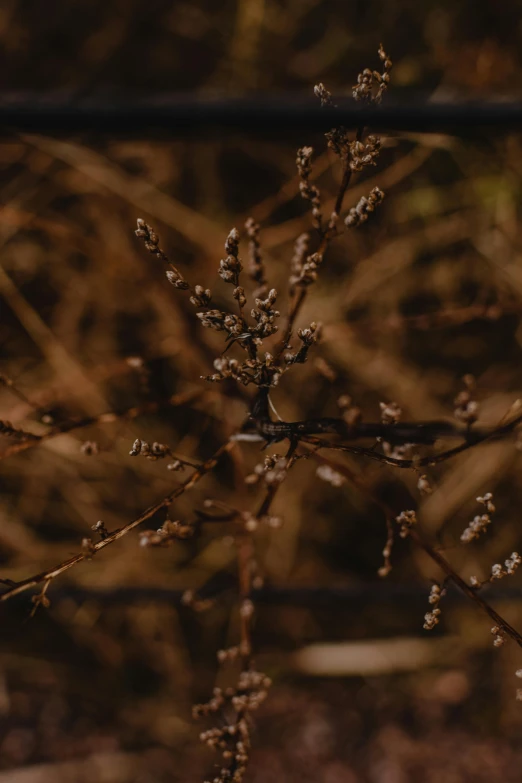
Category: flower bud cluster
[406,520]
[308,337]
[431,619]
[423,485]
[261,370]
[363,153]
[201,296]
[153,452]
[264,314]
[466,408]
[230,267]
[233,738]
[324,95]
[307,273]
[499,636]
[272,469]
[151,242]
[351,413]
[508,569]
[390,412]
[256,267]
[299,258]
[359,214]
[371,85]
[168,533]
[308,191]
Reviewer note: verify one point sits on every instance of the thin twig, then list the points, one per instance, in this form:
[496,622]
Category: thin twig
[165,502]
[472,438]
[430,550]
[301,295]
[104,418]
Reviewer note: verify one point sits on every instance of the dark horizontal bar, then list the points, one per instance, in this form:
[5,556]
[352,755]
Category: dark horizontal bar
[177,116]
[365,593]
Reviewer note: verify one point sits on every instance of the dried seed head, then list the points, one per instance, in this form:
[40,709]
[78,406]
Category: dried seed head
[308,191]
[390,412]
[487,501]
[256,269]
[365,206]
[100,528]
[424,486]
[323,94]
[176,280]
[371,85]
[499,636]
[431,619]
[406,520]
[232,242]
[466,407]
[201,296]
[476,527]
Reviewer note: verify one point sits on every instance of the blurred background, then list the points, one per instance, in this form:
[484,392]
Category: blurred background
[100,685]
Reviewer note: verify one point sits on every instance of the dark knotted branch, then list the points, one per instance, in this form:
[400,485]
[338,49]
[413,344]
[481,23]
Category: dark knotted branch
[415,433]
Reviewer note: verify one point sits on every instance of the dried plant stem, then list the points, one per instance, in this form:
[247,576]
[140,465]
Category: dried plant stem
[419,432]
[10,384]
[104,418]
[115,535]
[246,555]
[235,768]
[244,561]
[422,432]
[472,593]
[439,319]
[7,429]
[300,296]
[430,550]
[291,458]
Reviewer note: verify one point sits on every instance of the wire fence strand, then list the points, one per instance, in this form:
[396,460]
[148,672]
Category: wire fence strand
[174,116]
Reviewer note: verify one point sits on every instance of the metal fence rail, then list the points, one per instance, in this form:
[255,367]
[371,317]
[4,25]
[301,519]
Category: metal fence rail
[177,116]
[361,594]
